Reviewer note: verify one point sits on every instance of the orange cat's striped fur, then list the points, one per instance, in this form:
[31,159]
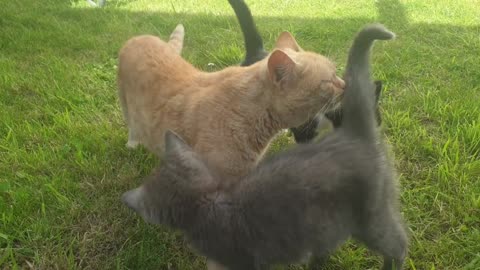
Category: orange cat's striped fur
[229,116]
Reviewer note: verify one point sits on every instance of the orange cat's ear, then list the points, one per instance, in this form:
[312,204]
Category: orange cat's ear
[280,67]
[286,40]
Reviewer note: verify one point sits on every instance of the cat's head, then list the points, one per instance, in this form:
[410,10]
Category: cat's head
[336,116]
[304,83]
[172,194]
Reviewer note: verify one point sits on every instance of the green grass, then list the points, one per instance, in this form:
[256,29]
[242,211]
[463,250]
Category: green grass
[63,164]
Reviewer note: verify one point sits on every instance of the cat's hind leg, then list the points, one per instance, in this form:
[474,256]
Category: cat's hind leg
[387,236]
[318,262]
[176,38]
[132,142]
[133,138]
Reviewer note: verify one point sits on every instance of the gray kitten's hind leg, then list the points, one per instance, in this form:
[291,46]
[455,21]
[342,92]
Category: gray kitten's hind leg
[387,236]
[318,262]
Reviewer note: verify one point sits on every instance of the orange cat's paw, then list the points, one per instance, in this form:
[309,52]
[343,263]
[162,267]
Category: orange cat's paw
[132,144]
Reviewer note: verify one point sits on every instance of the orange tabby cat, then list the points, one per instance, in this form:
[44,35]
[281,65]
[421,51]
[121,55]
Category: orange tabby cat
[229,116]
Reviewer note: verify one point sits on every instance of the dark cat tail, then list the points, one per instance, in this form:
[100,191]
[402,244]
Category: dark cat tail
[253,41]
[359,118]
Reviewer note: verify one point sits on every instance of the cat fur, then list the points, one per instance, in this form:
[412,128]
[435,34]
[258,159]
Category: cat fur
[300,203]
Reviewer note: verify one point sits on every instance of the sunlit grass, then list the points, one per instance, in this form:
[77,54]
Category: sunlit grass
[63,164]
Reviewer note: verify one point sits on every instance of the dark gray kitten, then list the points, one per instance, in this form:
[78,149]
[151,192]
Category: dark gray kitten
[255,51]
[306,201]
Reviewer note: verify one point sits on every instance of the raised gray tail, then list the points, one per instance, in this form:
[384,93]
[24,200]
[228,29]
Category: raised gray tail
[253,41]
[358,105]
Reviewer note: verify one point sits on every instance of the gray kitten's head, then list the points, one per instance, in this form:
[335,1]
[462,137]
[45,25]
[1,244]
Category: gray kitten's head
[171,195]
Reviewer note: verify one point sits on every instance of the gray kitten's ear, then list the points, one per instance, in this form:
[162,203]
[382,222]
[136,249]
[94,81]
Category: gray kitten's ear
[174,144]
[134,199]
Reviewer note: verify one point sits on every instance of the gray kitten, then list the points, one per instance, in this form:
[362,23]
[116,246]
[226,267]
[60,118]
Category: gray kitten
[306,201]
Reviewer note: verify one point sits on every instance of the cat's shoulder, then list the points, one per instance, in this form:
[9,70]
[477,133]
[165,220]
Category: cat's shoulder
[144,41]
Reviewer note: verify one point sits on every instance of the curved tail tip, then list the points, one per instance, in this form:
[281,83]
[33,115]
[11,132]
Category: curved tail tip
[379,31]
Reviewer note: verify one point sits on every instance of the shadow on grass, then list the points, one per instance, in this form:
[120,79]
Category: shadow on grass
[92,32]
[392,12]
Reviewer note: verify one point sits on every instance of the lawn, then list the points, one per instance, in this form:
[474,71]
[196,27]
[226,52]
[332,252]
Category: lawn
[63,163]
